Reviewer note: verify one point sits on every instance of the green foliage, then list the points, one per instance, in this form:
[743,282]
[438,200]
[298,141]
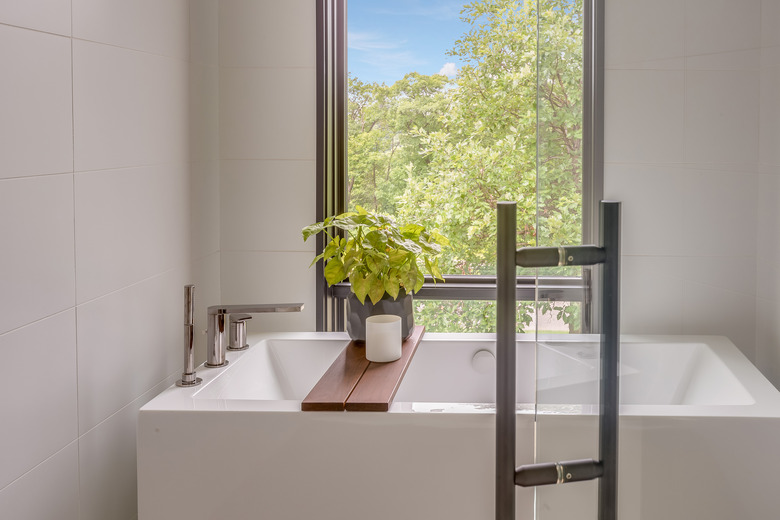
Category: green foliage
[377,255]
[508,127]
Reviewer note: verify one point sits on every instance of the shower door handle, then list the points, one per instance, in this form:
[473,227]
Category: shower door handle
[508,258]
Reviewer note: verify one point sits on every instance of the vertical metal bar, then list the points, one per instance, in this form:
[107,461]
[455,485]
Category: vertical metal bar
[331,136]
[321,176]
[593,137]
[586,309]
[189,324]
[505,360]
[610,357]
[592,118]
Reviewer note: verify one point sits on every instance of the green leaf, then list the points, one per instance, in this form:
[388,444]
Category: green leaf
[334,271]
[331,249]
[412,231]
[377,240]
[409,279]
[360,286]
[392,285]
[419,283]
[373,265]
[376,289]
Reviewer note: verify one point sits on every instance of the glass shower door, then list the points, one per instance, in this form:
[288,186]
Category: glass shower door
[567,341]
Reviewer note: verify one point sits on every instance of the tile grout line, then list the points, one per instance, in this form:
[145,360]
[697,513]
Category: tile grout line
[36,466]
[75,260]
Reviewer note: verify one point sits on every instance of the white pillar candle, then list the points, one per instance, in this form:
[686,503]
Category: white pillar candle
[383,338]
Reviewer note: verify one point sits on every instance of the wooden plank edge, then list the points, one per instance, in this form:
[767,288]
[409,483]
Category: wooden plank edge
[409,349]
[331,392]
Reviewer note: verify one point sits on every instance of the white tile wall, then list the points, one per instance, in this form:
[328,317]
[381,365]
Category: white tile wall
[50,490]
[267,113]
[718,210]
[642,188]
[721,116]
[267,134]
[690,123]
[768,338]
[129,226]
[204,112]
[114,369]
[768,251]
[42,15]
[205,200]
[129,107]
[36,136]
[770,118]
[204,32]
[768,221]
[650,294]
[256,197]
[770,21]
[145,25]
[267,34]
[37,273]
[38,395]
[647,32]
[644,116]
[722,25]
[95,200]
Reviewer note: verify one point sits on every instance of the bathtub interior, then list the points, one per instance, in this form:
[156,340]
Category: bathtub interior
[275,370]
[562,373]
[446,370]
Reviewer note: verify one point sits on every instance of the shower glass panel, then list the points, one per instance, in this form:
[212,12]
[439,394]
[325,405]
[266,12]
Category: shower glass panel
[567,359]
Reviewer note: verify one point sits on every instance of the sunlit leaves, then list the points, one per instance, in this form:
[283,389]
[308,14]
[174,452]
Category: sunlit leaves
[444,152]
[377,255]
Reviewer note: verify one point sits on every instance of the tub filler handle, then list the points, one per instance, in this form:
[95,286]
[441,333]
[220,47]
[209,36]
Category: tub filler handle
[508,258]
[219,317]
[188,377]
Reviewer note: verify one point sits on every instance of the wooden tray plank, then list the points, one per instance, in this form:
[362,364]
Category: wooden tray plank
[376,389]
[334,387]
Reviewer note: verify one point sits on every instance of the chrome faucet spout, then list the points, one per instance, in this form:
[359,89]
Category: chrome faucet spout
[218,318]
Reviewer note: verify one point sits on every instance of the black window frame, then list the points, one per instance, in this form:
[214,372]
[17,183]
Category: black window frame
[331,165]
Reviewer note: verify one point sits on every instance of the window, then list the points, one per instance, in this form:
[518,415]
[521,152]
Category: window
[508,116]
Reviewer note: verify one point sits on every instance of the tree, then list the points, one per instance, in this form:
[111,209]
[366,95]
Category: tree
[507,128]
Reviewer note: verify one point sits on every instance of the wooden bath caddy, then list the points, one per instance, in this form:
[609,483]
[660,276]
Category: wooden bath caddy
[355,384]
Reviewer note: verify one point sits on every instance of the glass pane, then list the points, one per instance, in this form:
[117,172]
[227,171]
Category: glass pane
[443,123]
[468,315]
[567,362]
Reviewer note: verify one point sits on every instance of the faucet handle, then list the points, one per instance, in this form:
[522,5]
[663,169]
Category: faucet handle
[238,332]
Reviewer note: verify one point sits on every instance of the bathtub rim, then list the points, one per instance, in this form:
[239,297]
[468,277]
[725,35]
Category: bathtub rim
[766,397]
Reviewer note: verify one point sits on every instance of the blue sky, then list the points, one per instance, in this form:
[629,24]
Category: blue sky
[387,39]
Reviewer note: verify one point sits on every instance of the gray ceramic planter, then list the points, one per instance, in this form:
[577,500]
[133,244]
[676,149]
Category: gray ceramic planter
[358,312]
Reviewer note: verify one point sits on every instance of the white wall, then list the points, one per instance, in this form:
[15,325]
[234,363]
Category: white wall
[683,85]
[768,225]
[95,223]
[267,113]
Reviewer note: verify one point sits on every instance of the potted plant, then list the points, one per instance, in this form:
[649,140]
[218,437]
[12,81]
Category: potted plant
[383,261]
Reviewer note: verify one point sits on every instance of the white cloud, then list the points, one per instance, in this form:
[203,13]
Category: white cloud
[449,70]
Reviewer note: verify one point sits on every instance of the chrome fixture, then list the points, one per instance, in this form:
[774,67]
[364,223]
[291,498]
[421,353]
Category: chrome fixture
[216,346]
[238,332]
[188,377]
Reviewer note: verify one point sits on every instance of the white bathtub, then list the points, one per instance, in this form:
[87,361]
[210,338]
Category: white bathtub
[699,428]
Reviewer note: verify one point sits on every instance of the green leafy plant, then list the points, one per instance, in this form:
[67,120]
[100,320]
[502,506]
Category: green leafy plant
[376,254]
